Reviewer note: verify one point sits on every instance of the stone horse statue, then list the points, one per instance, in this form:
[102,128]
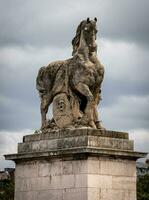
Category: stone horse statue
[73,85]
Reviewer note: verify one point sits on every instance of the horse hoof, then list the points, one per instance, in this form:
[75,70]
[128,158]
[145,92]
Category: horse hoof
[92,125]
[99,125]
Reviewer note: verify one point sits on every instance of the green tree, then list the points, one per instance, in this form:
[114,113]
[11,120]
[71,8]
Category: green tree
[143,187]
[6,190]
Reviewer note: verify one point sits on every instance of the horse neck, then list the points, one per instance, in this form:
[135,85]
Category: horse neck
[83,49]
[85,53]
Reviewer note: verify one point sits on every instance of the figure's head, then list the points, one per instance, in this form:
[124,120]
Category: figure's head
[88,29]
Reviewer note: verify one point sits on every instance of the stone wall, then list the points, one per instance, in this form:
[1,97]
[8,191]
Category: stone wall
[94,178]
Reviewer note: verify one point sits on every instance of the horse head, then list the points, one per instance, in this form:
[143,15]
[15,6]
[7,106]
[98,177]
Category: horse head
[86,33]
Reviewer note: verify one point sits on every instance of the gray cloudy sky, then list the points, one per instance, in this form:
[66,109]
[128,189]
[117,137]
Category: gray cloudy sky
[34,33]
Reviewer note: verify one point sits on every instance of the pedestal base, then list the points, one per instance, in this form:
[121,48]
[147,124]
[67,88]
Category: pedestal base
[83,164]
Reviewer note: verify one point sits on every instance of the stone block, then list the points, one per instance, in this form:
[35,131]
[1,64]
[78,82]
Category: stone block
[50,195]
[99,181]
[48,183]
[44,169]
[124,183]
[81,181]
[113,143]
[117,194]
[27,169]
[94,194]
[50,168]
[130,194]
[111,194]
[25,147]
[75,194]
[26,184]
[68,181]
[106,194]
[119,167]
[55,182]
[67,167]
[32,195]
[93,166]
[80,166]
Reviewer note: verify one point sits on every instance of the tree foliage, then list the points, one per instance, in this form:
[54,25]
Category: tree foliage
[6,190]
[143,187]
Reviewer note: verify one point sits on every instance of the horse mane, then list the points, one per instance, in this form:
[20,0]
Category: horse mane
[76,39]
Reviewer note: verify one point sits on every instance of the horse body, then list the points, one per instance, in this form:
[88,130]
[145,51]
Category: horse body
[79,77]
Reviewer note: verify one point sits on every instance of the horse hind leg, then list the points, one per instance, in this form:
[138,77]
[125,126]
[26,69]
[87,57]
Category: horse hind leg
[84,90]
[44,109]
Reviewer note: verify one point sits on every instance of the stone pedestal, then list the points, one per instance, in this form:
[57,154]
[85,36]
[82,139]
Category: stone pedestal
[80,164]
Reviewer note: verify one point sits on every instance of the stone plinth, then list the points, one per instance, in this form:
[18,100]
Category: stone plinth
[80,164]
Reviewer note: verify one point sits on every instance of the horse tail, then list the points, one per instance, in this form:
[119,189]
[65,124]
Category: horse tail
[40,84]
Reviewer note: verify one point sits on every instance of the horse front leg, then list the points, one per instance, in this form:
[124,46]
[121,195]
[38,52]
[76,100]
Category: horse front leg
[97,120]
[84,90]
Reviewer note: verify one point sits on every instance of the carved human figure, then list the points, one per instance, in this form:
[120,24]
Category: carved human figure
[74,85]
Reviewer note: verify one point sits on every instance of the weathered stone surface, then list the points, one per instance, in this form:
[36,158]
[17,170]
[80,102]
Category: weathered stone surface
[111,194]
[117,167]
[93,193]
[64,133]
[76,153]
[27,169]
[75,194]
[50,168]
[75,179]
[73,85]
[124,182]
[85,164]
[72,139]
[33,195]
[50,195]
[73,142]
[100,181]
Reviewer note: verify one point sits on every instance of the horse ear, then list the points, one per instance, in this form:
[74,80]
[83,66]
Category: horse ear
[88,20]
[95,19]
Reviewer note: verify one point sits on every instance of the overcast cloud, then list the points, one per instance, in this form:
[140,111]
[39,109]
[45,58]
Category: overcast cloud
[35,33]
